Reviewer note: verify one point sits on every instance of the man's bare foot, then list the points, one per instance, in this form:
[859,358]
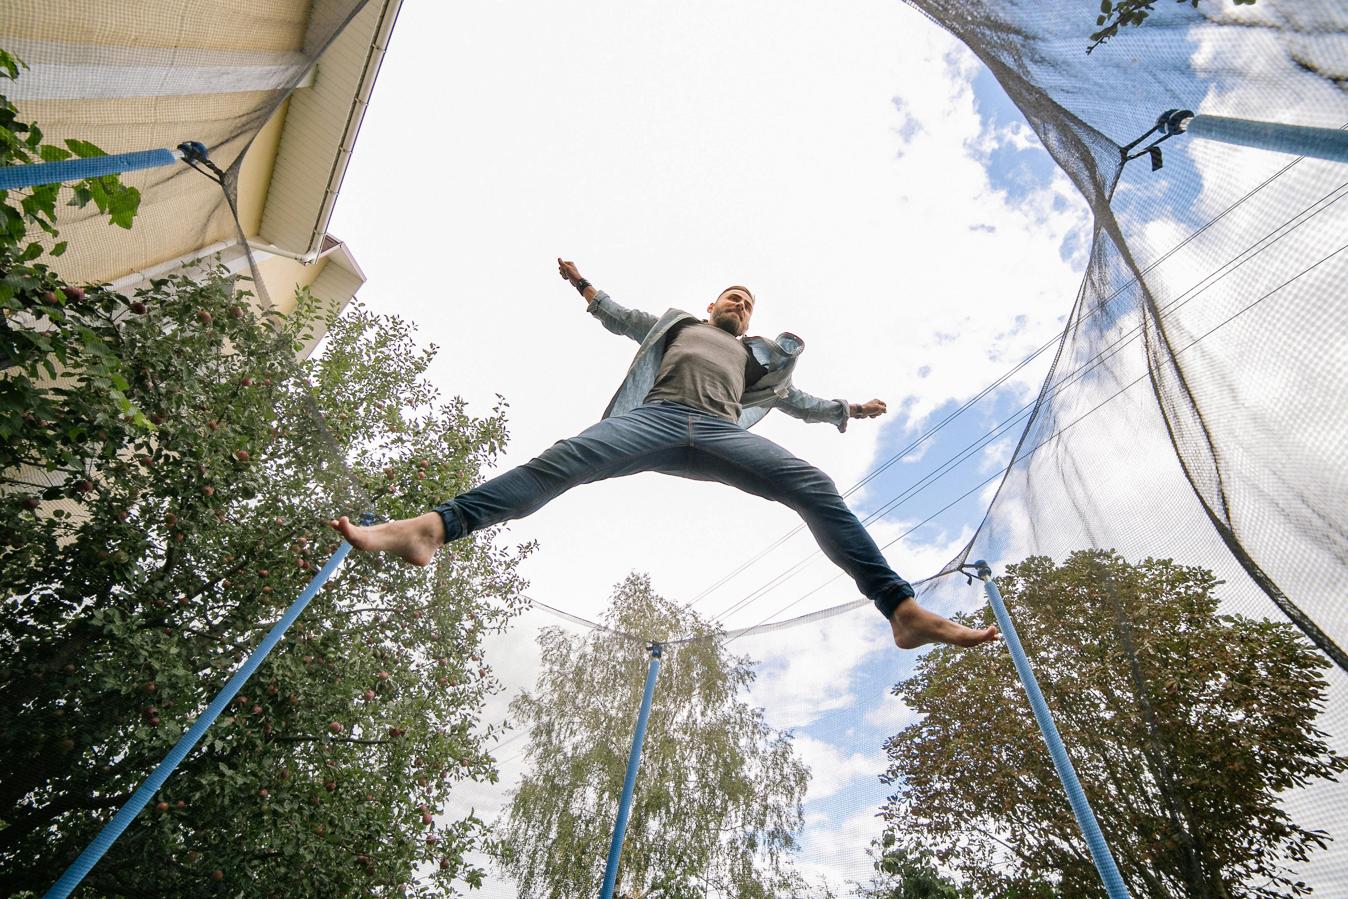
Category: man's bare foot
[914,626]
[413,540]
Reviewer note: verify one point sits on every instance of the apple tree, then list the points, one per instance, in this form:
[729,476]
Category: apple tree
[168,468]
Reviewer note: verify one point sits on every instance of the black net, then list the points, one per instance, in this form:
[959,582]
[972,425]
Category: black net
[1196,350]
[1201,275]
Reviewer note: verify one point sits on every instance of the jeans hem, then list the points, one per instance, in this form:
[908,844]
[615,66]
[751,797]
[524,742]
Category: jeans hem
[888,601]
[446,509]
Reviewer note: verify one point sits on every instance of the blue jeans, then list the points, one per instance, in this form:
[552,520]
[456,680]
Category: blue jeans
[686,442]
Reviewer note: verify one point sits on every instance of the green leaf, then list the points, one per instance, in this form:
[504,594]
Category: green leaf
[83,149]
[50,153]
[10,64]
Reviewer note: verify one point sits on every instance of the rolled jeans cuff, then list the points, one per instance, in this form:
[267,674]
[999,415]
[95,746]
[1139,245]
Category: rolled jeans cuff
[888,601]
[455,526]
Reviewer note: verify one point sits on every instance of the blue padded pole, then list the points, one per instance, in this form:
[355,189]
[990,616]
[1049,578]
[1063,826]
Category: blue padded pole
[139,799]
[1299,140]
[18,176]
[1100,854]
[615,848]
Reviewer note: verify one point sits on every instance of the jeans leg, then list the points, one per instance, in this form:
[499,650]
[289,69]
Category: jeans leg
[729,454]
[649,438]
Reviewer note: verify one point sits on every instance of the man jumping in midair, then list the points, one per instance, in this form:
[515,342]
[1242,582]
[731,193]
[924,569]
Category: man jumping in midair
[690,396]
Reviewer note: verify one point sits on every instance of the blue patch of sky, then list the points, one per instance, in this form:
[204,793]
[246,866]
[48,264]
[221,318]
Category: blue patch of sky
[1014,170]
[849,731]
[942,483]
[949,469]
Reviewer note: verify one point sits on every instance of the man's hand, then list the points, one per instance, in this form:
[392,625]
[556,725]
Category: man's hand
[568,270]
[873,409]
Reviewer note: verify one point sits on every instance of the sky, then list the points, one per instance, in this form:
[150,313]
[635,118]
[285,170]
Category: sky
[858,169]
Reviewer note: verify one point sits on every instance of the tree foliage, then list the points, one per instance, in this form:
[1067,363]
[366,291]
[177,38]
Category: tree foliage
[166,470]
[718,796]
[902,872]
[1184,725]
[1116,15]
[29,289]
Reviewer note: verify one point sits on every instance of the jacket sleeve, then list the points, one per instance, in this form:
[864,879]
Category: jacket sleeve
[631,323]
[799,404]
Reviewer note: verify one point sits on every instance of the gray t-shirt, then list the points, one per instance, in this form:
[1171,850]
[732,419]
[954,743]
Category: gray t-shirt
[703,367]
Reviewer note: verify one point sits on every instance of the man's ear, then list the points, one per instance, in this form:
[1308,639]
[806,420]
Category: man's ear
[710,306]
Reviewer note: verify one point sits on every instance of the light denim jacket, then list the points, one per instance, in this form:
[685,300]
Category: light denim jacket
[773,389]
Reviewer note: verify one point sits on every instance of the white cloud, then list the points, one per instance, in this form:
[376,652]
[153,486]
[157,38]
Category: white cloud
[835,849]
[809,670]
[891,714]
[833,767]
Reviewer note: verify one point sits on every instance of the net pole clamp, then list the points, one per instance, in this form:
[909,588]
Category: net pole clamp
[981,570]
[195,154]
[1168,124]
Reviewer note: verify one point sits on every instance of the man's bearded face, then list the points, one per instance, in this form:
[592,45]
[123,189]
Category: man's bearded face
[732,310]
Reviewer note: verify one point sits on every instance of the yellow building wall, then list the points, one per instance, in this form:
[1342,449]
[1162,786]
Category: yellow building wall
[256,175]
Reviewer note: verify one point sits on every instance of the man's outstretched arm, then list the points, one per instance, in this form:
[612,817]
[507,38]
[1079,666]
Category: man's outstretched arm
[619,319]
[799,404]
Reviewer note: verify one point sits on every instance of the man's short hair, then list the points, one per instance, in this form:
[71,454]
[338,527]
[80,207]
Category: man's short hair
[738,287]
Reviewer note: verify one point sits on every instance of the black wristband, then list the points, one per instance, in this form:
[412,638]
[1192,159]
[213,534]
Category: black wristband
[580,285]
